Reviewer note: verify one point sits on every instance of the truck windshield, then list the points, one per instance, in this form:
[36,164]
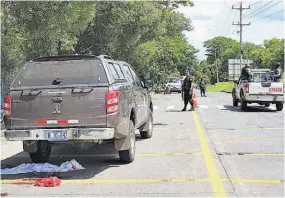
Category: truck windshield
[258,76]
[70,72]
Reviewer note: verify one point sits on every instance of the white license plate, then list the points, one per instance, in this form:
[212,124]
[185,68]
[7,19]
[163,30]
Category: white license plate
[57,135]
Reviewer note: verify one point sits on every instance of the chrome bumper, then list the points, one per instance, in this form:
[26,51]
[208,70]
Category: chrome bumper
[71,134]
[265,98]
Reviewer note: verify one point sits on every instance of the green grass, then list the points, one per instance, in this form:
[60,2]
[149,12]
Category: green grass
[221,87]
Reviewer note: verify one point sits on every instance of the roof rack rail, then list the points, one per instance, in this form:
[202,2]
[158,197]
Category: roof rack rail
[65,57]
[106,56]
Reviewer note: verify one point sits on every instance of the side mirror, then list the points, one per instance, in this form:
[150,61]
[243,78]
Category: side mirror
[148,84]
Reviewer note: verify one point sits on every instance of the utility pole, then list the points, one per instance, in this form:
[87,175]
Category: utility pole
[217,71]
[240,24]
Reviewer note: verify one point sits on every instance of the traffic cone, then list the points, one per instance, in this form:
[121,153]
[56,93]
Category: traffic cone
[195,101]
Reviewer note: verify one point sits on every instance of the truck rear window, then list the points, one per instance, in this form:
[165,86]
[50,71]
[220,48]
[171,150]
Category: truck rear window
[70,72]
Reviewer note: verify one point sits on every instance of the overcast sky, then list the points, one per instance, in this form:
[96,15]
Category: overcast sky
[212,18]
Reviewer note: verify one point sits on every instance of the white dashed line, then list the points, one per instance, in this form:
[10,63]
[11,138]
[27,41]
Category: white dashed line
[170,107]
[221,107]
[155,107]
[204,106]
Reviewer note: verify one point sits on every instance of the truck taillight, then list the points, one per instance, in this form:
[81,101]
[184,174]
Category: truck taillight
[112,102]
[7,106]
[246,87]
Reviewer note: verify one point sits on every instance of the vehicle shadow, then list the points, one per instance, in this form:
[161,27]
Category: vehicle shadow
[173,110]
[95,159]
[249,109]
[159,124]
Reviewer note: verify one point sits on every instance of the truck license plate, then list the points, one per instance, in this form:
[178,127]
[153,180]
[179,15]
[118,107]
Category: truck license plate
[275,90]
[57,135]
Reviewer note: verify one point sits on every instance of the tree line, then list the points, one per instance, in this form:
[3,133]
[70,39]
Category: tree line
[148,35]
[263,56]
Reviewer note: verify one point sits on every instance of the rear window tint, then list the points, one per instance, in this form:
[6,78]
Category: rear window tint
[71,72]
[128,74]
[116,71]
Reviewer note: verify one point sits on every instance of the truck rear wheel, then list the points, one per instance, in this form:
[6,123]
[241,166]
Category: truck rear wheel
[279,106]
[147,134]
[235,101]
[243,105]
[43,152]
[128,156]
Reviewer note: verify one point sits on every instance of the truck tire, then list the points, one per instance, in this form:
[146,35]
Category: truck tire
[43,152]
[235,101]
[279,106]
[243,105]
[147,134]
[128,156]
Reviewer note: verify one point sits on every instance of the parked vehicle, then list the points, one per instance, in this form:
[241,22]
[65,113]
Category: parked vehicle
[74,99]
[174,85]
[258,91]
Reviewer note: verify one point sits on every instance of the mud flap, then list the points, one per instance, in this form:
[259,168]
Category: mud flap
[124,143]
[30,146]
[145,127]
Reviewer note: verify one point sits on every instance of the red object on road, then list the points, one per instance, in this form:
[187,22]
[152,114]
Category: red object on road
[48,182]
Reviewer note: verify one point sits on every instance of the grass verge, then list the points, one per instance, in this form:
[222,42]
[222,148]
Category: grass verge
[221,87]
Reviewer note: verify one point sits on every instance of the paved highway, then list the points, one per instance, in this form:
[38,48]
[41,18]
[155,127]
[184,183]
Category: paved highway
[217,150]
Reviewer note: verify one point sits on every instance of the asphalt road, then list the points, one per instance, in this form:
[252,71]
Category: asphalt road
[217,150]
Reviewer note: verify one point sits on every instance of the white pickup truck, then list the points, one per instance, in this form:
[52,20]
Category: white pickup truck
[175,84]
[258,91]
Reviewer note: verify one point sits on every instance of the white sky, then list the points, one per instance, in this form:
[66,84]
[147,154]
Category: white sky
[212,18]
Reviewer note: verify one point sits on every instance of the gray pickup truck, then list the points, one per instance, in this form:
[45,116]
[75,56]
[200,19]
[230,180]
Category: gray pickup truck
[75,99]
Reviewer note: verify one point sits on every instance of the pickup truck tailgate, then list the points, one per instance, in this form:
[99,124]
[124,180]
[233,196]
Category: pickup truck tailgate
[68,107]
[266,88]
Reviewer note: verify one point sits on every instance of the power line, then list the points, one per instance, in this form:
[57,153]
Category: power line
[273,13]
[258,8]
[232,22]
[223,27]
[255,3]
[269,15]
[266,9]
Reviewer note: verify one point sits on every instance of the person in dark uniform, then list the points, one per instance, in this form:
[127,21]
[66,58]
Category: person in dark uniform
[245,73]
[276,72]
[202,87]
[187,91]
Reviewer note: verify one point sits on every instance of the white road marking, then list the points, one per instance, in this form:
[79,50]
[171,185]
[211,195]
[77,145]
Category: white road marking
[170,107]
[221,106]
[203,106]
[155,107]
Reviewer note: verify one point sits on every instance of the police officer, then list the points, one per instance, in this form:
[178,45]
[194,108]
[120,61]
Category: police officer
[202,87]
[187,91]
[276,72]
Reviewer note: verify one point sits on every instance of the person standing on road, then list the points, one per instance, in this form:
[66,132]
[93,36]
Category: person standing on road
[202,87]
[187,91]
